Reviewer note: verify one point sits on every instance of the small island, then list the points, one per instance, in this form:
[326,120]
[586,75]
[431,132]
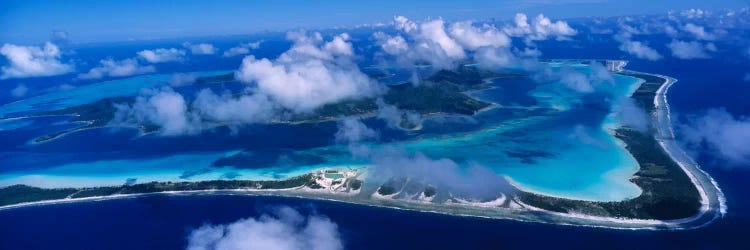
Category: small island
[441,93]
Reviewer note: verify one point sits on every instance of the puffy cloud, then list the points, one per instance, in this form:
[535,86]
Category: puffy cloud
[393,45]
[234,110]
[431,42]
[33,61]
[694,13]
[599,79]
[539,29]
[584,135]
[690,50]
[201,48]
[404,24]
[433,33]
[19,91]
[242,49]
[636,48]
[528,52]
[631,115]
[395,117]
[698,32]
[162,55]
[726,136]
[472,181]
[492,58]
[351,130]
[111,68]
[60,37]
[472,38]
[577,81]
[164,108]
[309,74]
[427,42]
[285,229]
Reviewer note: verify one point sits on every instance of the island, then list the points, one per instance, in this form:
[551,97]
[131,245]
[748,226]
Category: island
[676,193]
[441,93]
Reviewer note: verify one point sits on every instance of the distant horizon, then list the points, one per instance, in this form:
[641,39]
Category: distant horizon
[145,20]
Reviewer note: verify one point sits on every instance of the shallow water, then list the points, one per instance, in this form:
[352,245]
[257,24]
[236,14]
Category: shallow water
[544,137]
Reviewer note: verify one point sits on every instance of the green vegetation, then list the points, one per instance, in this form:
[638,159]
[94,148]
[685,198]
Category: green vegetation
[97,113]
[432,97]
[668,192]
[430,191]
[22,193]
[392,186]
[645,94]
[441,93]
[355,184]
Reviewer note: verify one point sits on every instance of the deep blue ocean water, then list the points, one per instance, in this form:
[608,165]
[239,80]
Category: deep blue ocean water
[163,222]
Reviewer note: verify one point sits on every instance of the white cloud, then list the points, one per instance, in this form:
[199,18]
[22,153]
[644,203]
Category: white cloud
[472,181]
[395,117]
[694,13]
[164,108]
[286,229]
[351,130]
[539,29]
[426,42]
[636,48]
[162,55]
[528,52]
[60,37]
[310,74]
[670,31]
[33,61]
[200,49]
[727,137]
[393,45]
[699,32]
[404,24]
[242,49]
[471,37]
[231,110]
[584,135]
[599,79]
[431,42]
[19,91]
[690,50]
[433,33]
[493,58]
[631,115]
[111,68]
[577,81]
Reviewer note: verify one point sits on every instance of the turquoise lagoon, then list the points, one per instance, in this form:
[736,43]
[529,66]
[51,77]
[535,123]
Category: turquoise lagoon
[543,137]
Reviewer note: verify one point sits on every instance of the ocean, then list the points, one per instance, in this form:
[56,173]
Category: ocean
[163,221]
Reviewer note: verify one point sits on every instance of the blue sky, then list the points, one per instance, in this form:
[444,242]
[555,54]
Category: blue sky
[32,21]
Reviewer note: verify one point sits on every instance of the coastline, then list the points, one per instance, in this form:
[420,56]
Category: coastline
[713,204]
[712,196]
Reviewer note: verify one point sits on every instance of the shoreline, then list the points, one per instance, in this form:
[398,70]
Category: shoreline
[712,199]
[711,196]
